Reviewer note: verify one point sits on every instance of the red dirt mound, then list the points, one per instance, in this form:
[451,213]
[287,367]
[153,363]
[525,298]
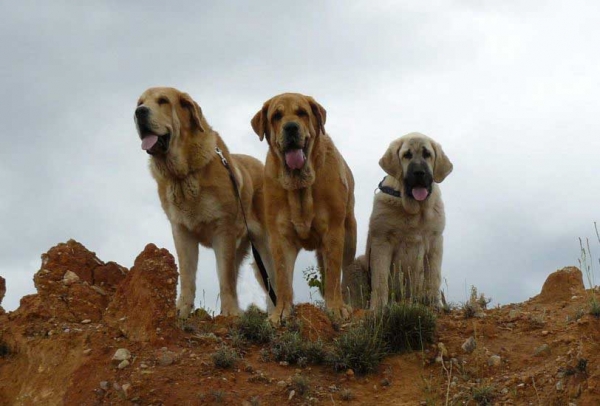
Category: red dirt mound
[562,285]
[143,307]
[315,324]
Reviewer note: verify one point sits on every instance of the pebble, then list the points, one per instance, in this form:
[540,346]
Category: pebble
[349,373]
[165,359]
[542,350]
[104,385]
[124,364]
[143,366]
[86,321]
[560,386]
[121,354]
[126,387]
[284,363]
[469,345]
[70,278]
[292,393]
[495,361]
[545,333]
[87,351]
[282,384]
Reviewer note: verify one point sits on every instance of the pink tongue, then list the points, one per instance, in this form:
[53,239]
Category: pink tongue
[420,193]
[295,159]
[149,141]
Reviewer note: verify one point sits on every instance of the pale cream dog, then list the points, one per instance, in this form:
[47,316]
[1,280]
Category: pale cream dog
[405,242]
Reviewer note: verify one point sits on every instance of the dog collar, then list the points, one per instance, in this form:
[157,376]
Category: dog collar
[388,190]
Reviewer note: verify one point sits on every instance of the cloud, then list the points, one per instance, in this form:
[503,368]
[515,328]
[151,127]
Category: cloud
[510,90]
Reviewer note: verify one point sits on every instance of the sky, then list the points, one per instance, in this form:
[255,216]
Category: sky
[509,89]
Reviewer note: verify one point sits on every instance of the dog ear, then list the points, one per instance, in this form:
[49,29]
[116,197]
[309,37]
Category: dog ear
[319,112]
[194,109]
[442,165]
[390,161]
[260,123]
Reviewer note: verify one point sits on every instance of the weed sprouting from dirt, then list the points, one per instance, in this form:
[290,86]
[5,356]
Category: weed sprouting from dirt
[292,348]
[218,395]
[225,357]
[476,304]
[254,327]
[586,264]
[313,277]
[361,349]
[405,326]
[483,395]
[347,395]
[301,384]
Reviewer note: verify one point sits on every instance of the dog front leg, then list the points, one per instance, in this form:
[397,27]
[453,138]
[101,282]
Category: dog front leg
[224,246]
[186,246]
[284,259]
[380,261]
[332,251]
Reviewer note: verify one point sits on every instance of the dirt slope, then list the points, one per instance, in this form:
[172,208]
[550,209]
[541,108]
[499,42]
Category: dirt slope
[58,347]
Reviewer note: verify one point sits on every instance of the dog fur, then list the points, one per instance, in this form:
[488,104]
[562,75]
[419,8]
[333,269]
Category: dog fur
[197,195]
[405,242]
[309,197]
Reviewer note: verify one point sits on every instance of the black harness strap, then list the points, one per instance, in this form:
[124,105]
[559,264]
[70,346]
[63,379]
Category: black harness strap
[261,266]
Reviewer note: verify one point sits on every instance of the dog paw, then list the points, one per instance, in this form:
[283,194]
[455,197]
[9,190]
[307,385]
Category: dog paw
[280,314]
[342,312]
[231,311]
[184,308]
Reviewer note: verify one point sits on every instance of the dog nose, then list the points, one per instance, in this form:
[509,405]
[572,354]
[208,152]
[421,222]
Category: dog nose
[419,173]
[291,128]
[142,112]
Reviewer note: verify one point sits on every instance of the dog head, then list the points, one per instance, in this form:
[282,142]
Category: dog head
[416,161]
[291,122]
[164,116]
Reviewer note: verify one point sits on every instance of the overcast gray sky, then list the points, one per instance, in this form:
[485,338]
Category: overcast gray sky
[510,89]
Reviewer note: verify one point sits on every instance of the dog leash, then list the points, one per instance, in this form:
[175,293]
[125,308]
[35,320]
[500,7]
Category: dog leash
[261,267]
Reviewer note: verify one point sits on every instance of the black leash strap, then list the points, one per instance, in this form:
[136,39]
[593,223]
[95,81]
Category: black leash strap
[257,258]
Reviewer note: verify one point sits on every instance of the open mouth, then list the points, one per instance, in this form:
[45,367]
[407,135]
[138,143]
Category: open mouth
[295,157]
[418,192]
[155,144]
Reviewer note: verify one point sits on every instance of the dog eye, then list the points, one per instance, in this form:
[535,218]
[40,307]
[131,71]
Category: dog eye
[302,113]
[426,153]
[407,155]
[276,116]
[162,100]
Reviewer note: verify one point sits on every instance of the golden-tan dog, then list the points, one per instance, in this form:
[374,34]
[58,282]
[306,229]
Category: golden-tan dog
[309,197]
[405,242]
[196,192]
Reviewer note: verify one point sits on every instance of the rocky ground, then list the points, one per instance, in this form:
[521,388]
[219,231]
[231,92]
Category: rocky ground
[97,333]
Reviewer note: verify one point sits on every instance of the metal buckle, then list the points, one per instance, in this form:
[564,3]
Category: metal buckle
[220,154]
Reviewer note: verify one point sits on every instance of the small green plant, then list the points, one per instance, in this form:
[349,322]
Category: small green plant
[404,326]
[313,277]
[254,327]
[586,264]
[346,395]
[225,357]
[483,395]
[361,349]
[476,304]
[301,384]
[218,395]
[292,348]
[595,307]
[254,401]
